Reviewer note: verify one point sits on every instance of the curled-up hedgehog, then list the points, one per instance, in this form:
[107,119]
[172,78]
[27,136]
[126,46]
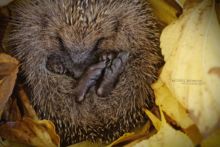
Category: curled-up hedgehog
[89,64]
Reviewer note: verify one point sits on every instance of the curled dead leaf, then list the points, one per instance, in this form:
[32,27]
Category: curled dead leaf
[30,132]
[166,135]
[22,127]
[172,108]
[12,111]
[26,105]
[19,106]
[170,105]
[8,75]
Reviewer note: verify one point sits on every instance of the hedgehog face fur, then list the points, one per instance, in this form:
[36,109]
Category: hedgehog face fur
[58,42]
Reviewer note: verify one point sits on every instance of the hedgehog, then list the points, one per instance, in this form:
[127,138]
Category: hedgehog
[88,64]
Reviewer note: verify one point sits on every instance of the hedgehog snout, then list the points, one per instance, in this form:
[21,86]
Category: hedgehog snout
[70,64]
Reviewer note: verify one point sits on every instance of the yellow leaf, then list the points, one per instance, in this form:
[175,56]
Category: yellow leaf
[190,46]
[166,135]
[156,122]
[165,12]
[169,104]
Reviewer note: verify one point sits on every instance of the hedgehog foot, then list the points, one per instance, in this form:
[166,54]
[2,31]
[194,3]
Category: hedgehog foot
[115,66]
[107,71]
[88,80]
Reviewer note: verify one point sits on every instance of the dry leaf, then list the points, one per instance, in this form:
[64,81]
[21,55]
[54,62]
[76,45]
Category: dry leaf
[19,106]
[12,111]
[23,127]
[164,11]
[26,105]
[169,104]
[191,49]
[8,75]
[30,132]
[194,134]
[166,135]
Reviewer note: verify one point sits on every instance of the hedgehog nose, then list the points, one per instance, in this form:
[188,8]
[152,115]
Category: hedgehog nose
[80,62]
[76,72]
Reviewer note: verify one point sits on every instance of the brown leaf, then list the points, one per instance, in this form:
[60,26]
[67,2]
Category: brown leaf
[12,111]
[31,132]
[27,107]
[22,127]
[19,106]
[8,75]
[194,134]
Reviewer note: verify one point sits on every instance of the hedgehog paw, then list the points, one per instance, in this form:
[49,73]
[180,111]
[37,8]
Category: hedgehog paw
[115,66]
[88,80]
